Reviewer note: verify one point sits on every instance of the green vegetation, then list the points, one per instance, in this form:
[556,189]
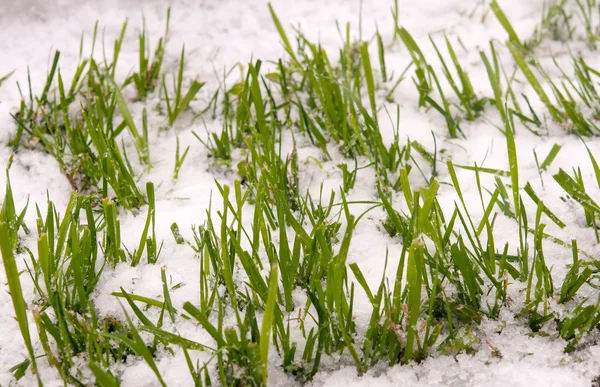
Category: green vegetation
[271,240]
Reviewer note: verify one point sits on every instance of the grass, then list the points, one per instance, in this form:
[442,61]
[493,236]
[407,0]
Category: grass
[556,24]
[179,102]
[561,21]
[9,227]
[149,71]
[5,77]
[90,146]
[271,240]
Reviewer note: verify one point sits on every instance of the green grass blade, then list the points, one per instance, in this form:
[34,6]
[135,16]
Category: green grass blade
[267,324]
[533,81]
[551,156]
[282,34]
[16,292]
[103,378]
[501,16]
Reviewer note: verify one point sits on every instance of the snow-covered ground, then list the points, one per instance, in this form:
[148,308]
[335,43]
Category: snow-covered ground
[220,33]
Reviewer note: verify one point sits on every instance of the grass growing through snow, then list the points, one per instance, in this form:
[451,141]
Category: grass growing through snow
[177,103]
[83,125]
[272,240]
[149,71]
[10,222]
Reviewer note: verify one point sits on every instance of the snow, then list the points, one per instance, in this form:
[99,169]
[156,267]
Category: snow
[220,33]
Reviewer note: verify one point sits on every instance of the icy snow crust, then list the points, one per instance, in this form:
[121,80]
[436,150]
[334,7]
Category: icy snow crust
[220,33]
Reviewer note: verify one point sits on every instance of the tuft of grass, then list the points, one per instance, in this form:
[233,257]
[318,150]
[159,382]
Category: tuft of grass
[149,70]
[427,81]
[470,103]
[85,145]
[179,102]
[556,24]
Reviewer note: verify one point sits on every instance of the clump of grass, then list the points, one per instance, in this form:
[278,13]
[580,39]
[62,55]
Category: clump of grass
[328,99]
[427,81]
[470,103]
[575,188]
[81,125]
[65,270]
[149,71]
[569,95]
[179,102]
[544,287]
[556,24]
[578,323]
[586,9]
[85,144]
[64,274]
